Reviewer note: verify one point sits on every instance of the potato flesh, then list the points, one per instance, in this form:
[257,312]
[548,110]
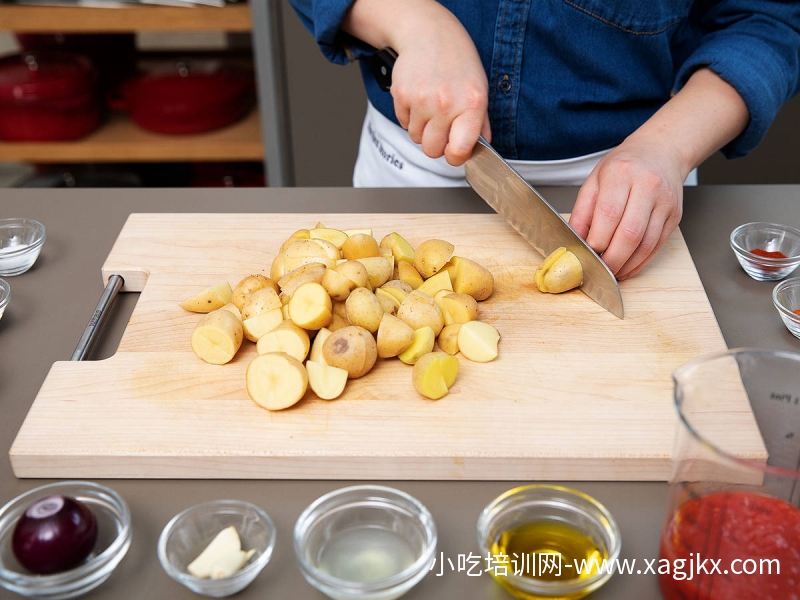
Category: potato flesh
[458,308]
[326,381]
[399,246]
[422,343]
[256,327]
[287,338]
[434,374]
[310,306]
[217,337]
[477,341]
[440,281]
[276,380]
[315,355]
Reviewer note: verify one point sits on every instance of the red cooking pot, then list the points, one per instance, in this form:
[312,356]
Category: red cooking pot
[188,97]
[47,97]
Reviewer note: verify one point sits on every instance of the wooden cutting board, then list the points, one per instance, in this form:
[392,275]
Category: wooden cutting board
[575,394]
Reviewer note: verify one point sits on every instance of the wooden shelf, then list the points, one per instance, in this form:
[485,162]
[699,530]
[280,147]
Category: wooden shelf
[80,19]
[120,140]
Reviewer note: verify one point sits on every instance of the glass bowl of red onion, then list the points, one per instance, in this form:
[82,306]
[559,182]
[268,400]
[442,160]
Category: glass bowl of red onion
[62,540]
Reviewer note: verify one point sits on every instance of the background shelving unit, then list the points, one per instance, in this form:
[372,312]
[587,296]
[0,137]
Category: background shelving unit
[261,136]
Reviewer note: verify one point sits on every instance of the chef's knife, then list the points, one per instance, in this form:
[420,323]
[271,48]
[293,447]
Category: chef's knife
[502,188]
[505,190]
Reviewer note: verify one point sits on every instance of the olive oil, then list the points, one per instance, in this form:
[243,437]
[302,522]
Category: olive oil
[545,550]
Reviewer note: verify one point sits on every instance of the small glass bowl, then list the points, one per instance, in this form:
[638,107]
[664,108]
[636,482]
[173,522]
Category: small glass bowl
[770,237]
[5,296]
[365,542]
[113,540]
[786,298]
[190,531]
[560,506]
[21,240]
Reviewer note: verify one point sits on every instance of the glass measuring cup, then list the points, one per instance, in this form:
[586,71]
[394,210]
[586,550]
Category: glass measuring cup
[732,530]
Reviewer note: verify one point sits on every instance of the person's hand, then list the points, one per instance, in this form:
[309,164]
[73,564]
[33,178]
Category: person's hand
[439,86]
[440,91]
[630,204]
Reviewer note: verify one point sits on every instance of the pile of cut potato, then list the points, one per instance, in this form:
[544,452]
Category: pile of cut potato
[337,301]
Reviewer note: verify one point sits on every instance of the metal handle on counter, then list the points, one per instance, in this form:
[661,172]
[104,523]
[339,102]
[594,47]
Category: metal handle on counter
[99,315]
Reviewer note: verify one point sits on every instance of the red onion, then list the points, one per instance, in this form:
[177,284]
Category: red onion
[54,534]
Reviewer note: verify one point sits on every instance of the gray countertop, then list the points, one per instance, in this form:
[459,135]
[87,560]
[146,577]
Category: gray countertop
[52,303]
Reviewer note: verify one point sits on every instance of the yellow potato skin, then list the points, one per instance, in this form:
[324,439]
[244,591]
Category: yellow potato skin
[364,309]
[351,348]
[431,255]
[418,309]
[448,338]
[247,286]
[469,277]
[360,245]
[561,271]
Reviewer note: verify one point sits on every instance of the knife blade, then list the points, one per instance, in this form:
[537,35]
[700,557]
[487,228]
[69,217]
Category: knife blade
[512,197]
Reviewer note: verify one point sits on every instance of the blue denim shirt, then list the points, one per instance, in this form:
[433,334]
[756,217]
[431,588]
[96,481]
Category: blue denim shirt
[572,77]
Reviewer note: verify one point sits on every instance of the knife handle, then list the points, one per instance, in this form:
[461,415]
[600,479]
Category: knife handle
[381,64]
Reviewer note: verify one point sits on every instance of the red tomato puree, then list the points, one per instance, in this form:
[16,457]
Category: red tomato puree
[727,526]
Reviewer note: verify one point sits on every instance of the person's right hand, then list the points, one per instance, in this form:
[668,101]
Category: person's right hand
[439,86]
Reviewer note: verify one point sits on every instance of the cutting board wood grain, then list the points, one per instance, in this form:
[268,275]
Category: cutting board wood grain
[575,394]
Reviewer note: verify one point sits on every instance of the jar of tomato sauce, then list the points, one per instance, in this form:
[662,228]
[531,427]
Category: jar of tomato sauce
[732,531]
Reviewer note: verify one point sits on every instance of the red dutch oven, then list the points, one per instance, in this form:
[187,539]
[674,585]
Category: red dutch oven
[188,97]
[47,97]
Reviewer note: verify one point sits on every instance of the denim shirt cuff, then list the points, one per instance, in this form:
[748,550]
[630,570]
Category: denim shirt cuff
[756,71]
[336,45]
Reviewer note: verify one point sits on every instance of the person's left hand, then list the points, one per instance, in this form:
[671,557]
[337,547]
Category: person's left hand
[630,204]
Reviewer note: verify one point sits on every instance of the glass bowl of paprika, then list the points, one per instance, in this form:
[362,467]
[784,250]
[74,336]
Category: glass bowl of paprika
[766,251]
[786,298]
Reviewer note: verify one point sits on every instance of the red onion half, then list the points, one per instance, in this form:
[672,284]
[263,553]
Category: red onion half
[54,534]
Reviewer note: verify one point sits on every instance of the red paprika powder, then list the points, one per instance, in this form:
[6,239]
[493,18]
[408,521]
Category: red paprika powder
[767,253]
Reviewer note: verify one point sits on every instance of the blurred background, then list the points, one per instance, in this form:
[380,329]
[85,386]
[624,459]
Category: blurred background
[207,93]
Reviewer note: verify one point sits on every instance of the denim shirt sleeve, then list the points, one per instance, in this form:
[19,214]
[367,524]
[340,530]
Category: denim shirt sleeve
[323,19]
[755,47]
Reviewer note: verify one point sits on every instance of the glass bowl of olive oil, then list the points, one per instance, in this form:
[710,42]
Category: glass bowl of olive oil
[545,541]
[365,542]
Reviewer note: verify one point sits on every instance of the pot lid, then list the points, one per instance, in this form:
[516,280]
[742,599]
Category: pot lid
[40,76]
[190,84]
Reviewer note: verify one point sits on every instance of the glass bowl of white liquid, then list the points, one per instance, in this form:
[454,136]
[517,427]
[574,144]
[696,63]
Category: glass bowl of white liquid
[365,542]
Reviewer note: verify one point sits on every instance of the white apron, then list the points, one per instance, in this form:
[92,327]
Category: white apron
[388,158]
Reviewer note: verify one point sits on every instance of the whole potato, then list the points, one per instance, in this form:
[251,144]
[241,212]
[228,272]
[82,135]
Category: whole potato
[351,348]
